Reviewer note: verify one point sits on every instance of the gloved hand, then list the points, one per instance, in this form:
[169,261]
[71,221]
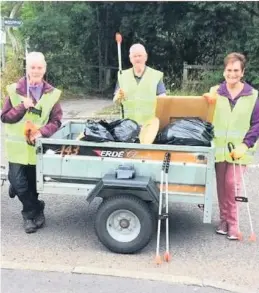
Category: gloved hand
[238,152]
[34,136]
[211,98]
[31,132]
[120,96]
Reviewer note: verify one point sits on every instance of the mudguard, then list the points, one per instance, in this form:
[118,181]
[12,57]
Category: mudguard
[142,187]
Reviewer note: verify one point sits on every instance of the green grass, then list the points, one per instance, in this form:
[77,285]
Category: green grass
[109,110]
[183,92]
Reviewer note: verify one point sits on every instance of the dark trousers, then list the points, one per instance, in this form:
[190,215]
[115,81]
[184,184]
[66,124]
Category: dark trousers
[23,181]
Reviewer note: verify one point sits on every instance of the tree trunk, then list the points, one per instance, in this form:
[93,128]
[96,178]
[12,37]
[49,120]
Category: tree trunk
[99,50]
[14,42]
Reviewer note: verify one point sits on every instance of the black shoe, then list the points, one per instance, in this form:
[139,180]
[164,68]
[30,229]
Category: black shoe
[28,222]
[11,191]
[29,226]
[39,219]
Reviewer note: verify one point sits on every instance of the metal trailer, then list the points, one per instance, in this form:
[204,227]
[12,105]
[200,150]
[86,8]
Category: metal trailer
[126,176]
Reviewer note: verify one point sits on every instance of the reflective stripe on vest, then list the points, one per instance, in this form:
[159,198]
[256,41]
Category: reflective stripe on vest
[141,98]
[17,149]
[15,138]
[232,126]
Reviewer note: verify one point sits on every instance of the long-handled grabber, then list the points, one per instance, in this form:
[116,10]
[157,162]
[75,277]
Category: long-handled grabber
[160,214]
[230,148]
[252,237]
[242,198]
[118,38]
[31,109]
[167,256]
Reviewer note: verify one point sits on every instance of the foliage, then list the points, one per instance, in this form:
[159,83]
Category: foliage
[13,71]
[78,38]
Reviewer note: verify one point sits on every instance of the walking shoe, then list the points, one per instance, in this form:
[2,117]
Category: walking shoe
[39,218]
[28,222]
[232,233]
[222,228]
[29,226]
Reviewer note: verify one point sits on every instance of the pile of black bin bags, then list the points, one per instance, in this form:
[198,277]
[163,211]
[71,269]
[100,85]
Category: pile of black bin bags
[122,130]
[186,131]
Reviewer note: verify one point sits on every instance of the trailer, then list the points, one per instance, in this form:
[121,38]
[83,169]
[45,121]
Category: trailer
[127,176]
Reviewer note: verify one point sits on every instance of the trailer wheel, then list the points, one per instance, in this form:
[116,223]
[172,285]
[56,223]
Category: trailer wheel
[124,224]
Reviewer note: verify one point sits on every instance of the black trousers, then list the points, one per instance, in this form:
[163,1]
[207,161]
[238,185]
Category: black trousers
[23,180]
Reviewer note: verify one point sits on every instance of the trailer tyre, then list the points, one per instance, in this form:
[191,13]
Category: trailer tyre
[124,224]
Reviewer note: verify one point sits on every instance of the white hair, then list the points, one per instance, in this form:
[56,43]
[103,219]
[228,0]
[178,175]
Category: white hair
[137,47]
[35,56]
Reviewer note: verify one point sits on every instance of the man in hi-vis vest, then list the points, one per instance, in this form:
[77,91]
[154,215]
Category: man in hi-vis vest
[138,87]
[30,99]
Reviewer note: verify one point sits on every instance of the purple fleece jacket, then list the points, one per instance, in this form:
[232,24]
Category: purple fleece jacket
[12,114]
[252,134]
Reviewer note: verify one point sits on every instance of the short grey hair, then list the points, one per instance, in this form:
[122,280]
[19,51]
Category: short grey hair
[137,47]
[38,56]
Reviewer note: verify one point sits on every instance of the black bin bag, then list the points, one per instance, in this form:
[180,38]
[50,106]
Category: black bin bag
[186,131]
[95,131]
[124,130]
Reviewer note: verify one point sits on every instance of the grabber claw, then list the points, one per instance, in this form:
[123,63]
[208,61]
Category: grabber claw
[252,237]
[167,257]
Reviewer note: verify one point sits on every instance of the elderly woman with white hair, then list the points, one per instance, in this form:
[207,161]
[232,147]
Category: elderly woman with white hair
[138,87]
[30,99]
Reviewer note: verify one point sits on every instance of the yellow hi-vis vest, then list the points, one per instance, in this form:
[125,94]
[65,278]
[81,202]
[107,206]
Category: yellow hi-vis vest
[141,99]
[17,149]
[232,125]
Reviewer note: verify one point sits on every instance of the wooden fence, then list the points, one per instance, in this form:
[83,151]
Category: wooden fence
[186,81]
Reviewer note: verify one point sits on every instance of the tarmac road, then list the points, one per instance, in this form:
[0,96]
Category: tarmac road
[68,242]
[50,282]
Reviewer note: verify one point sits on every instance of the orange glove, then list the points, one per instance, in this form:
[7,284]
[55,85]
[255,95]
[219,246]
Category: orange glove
[31,132]
[239,151]
[120,96]
[211,98]
[34,136]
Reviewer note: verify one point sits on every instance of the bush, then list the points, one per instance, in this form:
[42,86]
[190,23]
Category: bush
[12,72]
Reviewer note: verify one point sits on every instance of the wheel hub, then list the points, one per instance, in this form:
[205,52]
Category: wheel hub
[124,223]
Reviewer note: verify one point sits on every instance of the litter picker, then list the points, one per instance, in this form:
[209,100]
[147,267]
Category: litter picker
[163,215]
[31,109]
[244,198]
[118,38]
[167,256]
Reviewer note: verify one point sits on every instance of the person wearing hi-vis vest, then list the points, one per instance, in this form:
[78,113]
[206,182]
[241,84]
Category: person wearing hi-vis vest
[138,87]
[236,120]
[35,101]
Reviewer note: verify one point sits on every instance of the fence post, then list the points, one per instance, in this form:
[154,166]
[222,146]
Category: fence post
[107,77]
[185,74]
